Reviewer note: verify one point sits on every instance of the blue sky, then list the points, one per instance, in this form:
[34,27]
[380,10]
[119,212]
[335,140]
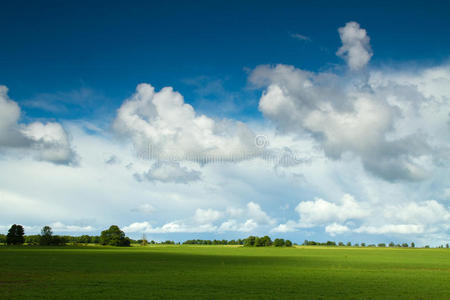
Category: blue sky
[370,117]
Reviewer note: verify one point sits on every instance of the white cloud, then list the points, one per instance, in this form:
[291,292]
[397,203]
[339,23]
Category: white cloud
[319,211]
[169,172]
[335,228]
[203,216]
[48,142]
[392,229]
[161,124]
[355,47]
[300,37]
[372,120]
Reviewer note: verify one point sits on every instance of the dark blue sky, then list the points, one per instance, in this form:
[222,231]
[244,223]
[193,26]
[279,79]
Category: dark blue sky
[90,55]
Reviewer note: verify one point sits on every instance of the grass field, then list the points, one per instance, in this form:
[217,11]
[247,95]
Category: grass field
[224,272]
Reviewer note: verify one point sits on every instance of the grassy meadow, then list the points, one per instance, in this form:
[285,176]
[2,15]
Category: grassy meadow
[223,272]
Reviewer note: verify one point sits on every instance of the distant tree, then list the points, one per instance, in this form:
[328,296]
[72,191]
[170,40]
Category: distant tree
[363,244]
[427,246]
[279,243]
[446,246]
[46,236]
[349,244]
[356,245]
[32,239]
[288,243]
[15,235]
[381,245]
[405,245]
[265,241]
[331,243]
[144,241]
[340,244]
[413,245]
[2,239]
[391,244]
[250,241]
[114,237]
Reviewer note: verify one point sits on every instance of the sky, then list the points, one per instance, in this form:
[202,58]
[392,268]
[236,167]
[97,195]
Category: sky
[318,121]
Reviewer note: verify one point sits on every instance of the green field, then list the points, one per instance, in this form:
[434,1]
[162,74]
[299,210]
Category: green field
[224,272]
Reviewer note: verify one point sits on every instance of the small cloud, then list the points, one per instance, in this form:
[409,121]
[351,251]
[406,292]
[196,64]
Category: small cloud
[300,37]
[145,208]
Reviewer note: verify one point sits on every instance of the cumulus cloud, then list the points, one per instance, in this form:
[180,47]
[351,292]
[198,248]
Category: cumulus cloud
[169,172]
[319,211]
[161,124]
[355,47]
[48,142]
[392,229]
[336,228]
[375,120]
[209,220]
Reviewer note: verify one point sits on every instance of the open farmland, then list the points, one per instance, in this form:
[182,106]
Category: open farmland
[223,272]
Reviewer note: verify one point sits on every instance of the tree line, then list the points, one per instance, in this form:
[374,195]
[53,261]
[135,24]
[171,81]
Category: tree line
[113,236]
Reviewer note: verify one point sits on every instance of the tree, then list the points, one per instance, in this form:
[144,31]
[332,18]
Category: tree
[381,245]
[46,236]
[405,245]
[2,239]
[250,241]
[279,243]
[341,244]
[114,237]
[391,244]
[446,245]
[413,245]
[288,243]
[363,244]
[32,239]
[349,244]
[15,235]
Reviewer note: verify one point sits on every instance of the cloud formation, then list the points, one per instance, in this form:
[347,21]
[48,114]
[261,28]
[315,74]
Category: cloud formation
[161,124]
[355,47]
[47,142]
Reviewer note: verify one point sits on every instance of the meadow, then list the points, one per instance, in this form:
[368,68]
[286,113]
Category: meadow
[223,272]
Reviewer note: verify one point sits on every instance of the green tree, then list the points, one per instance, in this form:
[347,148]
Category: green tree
[405,245]
[279,243]
[381,245]
[340,244]
[32,239]
[446,245]
[2,239]
[391,244]
[46,236]
[363,244]
[288,243]
[15,235]
[250,241]
[114,237]
[413,245]
[349,244]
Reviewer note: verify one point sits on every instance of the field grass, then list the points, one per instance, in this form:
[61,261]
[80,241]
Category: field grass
[222,272]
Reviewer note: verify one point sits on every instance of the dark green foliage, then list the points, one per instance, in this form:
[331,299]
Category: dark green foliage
[2,239]
[48,239]
[413,245]
[405,245]
[288,243]
[15,235]
[32,239]
[279,243]
[381,245]
[250,241]
[349,244]
[341,244]
[114,237]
